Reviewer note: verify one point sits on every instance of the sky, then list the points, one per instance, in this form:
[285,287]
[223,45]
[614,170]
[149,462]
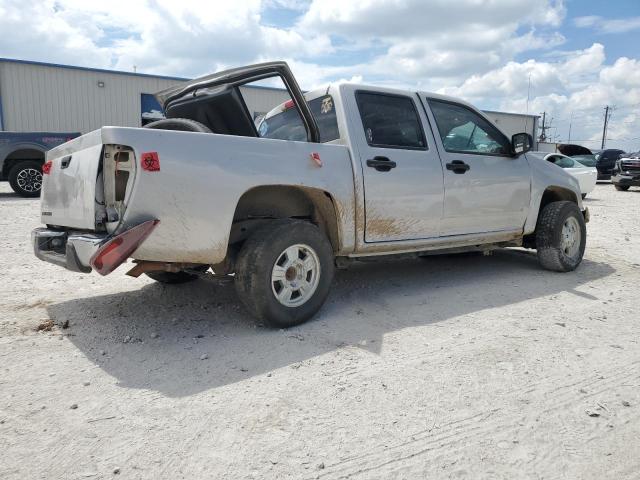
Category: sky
[567,58]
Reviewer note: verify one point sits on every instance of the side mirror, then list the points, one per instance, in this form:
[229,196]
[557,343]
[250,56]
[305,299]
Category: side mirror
[521,143]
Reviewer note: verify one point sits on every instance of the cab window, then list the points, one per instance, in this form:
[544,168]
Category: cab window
[288,125]
[464,131]
[390,121]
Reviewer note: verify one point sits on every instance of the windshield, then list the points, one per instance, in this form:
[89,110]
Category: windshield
[288,125]
[586,160]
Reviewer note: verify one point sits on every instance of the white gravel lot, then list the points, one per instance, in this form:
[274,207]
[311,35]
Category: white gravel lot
[452,367]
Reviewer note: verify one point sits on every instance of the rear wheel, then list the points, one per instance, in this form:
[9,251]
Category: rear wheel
[561,236]
[622,188]
[25,178]
[284,272]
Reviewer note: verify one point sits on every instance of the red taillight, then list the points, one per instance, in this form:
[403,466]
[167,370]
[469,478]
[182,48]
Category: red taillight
[46,168]
[288,104]
[111,255]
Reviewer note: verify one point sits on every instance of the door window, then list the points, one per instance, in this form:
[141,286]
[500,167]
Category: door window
[464,131]
[390,121]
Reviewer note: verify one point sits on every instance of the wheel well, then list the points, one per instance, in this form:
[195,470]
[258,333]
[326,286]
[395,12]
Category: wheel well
[21,155]
[556,194]
[551,194]
[263,204]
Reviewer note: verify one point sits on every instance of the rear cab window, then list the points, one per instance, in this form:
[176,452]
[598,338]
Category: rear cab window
[287,125]
[390,121]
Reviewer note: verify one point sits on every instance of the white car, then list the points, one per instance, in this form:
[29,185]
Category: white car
[586,176]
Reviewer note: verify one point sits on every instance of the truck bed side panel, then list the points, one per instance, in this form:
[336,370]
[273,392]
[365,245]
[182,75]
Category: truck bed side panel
[203,176]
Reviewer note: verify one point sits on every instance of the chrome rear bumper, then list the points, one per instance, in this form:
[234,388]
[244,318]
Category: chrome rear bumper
[71,250]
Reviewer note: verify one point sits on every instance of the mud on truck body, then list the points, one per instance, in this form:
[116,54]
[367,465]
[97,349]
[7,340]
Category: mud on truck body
[341,173]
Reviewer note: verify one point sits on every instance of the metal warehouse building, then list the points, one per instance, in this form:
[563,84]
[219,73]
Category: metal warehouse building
[43,97]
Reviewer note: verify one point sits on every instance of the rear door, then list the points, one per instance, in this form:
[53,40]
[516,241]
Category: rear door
[401,169]
[486,188]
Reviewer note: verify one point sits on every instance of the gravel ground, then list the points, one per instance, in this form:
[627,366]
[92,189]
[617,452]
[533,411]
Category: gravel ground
[451,367]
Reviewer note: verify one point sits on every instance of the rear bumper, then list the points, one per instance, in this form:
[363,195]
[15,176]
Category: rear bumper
[632,180]
[71,250]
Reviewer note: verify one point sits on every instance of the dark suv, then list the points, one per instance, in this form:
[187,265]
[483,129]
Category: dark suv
[606,161]
[627,172]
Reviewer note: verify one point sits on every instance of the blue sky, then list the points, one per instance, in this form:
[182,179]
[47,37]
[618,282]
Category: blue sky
[579,54]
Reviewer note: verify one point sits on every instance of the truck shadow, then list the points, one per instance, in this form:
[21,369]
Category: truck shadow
[189,338]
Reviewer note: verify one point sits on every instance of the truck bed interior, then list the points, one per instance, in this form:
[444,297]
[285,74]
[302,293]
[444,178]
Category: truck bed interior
[222,109]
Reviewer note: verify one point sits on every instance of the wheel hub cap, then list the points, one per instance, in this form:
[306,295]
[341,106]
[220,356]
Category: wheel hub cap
[295,275]
[29,180]
[570,237]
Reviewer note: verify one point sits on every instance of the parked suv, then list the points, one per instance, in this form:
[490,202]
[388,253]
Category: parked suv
[606,161]
[626,173]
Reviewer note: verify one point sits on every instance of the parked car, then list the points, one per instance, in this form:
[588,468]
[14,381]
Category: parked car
[586,176]
[606,160]
[626,173]
[586,160]
[341,173]
[22,156]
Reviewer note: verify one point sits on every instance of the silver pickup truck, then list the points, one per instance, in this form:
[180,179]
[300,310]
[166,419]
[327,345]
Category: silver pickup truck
[341,173]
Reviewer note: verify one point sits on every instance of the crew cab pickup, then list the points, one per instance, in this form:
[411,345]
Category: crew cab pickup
[345,172]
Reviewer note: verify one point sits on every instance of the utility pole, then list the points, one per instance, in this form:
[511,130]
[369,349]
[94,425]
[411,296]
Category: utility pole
[570,122]
[607,115]
[543,134]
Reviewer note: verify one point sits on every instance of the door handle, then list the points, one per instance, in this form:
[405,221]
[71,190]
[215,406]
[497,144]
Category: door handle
[65,162]
[458,166]
[381,164]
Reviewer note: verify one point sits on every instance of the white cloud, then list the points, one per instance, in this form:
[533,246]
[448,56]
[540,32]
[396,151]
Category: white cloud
[608,25]
[472,48]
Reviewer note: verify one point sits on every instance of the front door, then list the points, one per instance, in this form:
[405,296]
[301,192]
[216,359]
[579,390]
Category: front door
[486,188]
[402,172]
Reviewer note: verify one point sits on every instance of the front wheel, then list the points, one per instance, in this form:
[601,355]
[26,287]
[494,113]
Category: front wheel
[25,178]
[284,272]
[561,236]
[622,188]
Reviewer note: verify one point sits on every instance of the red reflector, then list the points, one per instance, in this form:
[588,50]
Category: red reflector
[46,168]
[111,255]
[288,104]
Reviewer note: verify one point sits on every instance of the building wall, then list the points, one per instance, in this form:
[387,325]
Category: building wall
[37,97]
[512,123]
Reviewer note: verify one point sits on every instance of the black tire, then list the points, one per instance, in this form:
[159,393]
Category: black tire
[622,188]
[25,178]
[257,260]
[549,237]
[179,124]
[175,277]
[584,195]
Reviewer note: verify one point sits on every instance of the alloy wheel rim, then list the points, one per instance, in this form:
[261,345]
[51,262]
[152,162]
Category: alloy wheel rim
[295,275]
[570,237]
[29,180]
